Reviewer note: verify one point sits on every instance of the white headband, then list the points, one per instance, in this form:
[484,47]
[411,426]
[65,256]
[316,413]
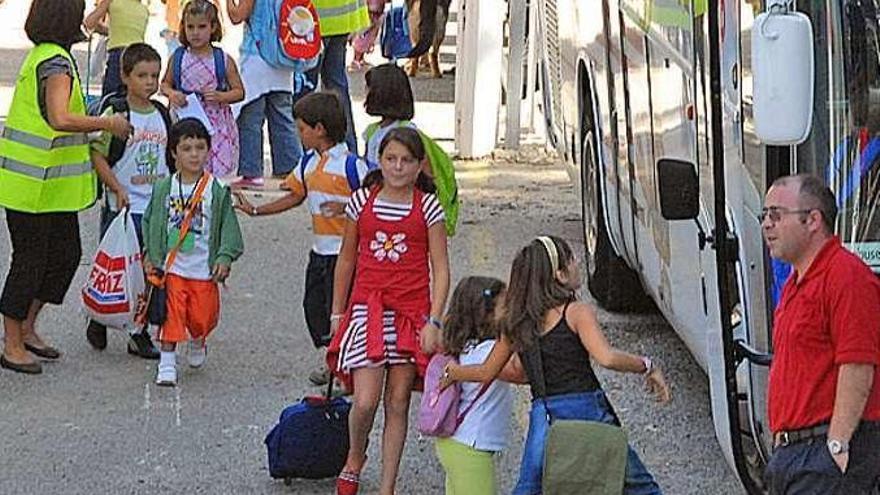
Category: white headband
[552,253]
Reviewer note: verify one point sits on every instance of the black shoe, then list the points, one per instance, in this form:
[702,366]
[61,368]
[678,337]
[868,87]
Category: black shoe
[47,352]
[96,334]
[141,345]
[27,368]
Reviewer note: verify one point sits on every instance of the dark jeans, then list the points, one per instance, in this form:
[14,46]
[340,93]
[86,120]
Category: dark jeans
[334,77]
[45,255]
[807,468]
[112,75]
[318,297]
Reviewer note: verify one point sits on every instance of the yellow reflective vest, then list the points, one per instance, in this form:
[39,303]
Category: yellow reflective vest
[338,17]
[43,170]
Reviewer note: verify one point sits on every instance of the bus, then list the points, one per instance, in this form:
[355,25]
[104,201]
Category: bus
[633,85]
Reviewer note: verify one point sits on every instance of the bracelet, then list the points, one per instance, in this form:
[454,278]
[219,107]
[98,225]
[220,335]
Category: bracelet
[336,316]
[649,365]
[434,322]
[254,211]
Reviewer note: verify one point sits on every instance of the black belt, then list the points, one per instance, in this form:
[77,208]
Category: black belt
[786,438]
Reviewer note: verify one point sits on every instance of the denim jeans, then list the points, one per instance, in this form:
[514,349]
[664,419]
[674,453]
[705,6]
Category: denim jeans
[588,406]
[806,468]
[334,77]
[276,108]
[112,76]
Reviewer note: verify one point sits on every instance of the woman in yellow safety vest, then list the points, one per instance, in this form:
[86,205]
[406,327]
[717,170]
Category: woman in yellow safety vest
[46,177]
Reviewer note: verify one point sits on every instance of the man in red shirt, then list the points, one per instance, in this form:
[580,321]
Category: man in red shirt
[824,397]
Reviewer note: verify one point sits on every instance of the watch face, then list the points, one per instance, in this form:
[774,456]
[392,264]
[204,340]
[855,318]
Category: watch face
[835,447]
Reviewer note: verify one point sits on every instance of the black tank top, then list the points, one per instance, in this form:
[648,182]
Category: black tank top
[566,363]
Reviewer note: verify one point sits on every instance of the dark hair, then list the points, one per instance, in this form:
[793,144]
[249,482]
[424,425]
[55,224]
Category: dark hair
[323,108]
[389,94]
[814,195]
[471,314]
[185,128]
[201,7]
[55,21]
[136,53]
[410,139]
[533,291]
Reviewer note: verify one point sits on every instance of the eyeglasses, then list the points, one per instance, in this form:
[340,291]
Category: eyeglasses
[774,213]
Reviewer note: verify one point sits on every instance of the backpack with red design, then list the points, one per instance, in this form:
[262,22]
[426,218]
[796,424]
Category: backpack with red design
[298,29]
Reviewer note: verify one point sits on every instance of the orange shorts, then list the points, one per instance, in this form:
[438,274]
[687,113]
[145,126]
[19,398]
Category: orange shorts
[193,309]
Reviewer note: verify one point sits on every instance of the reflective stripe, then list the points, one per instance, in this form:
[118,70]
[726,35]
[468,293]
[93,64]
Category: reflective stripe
[338,11]
[44,173]
[42,143]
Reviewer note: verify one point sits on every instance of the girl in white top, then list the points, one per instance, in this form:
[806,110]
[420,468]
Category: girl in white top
[470,333]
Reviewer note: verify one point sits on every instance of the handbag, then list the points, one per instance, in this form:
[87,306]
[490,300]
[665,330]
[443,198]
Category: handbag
[581,457]
[156,309]
[438,410]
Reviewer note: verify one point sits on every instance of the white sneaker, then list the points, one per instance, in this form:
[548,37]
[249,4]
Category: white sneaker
[198,352]
[166,375]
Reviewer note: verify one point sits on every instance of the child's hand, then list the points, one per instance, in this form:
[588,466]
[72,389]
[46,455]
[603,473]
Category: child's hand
[177,99]
[446,380]
[148,267]
[332,208]
[430,339]
[243,204]
[214,96]
[219,274]
[122,199]
[656,385]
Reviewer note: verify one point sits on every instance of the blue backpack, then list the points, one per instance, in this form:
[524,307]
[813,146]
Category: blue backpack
[263,24]
[395,39]
[219,69]
[351,171]
[310,440]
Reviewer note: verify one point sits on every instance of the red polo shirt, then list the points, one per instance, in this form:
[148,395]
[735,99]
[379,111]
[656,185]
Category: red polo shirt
[830,317]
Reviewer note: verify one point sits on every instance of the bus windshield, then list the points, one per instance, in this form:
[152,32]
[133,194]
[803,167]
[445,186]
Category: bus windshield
[844,145]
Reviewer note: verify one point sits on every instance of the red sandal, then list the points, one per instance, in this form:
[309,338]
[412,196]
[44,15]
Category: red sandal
[347,483]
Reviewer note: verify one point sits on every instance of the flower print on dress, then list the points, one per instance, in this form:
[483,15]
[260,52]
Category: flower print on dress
[388,247]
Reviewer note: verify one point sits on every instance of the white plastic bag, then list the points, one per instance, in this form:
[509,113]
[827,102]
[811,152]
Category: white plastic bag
[115,286]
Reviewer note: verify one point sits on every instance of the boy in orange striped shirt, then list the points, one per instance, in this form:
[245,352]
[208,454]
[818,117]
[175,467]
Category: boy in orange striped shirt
[325,178]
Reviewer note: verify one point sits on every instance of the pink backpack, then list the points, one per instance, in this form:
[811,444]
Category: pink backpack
[438,411]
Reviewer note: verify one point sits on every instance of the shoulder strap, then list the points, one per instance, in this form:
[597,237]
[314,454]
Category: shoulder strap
[176,63]
[220,69]
[470,406]
[187,219]
[166,118]
[119,104]
[351,172]
[303,162]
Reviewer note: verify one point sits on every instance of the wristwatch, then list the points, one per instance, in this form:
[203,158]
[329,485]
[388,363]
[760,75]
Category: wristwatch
[649,365]
[837,447]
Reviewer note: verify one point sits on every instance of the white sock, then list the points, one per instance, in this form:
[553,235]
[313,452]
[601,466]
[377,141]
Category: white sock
[168,358]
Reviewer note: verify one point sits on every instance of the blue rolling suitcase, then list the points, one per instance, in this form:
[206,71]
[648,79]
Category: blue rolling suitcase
[310,440]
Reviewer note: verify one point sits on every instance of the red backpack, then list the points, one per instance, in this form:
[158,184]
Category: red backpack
[298,29]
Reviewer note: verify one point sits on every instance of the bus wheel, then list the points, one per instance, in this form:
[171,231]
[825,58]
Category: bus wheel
[613,284]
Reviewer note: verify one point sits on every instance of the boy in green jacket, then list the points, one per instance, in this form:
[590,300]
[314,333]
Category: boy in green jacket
[191,237]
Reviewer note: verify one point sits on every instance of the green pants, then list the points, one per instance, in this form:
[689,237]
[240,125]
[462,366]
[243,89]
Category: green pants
[468,471]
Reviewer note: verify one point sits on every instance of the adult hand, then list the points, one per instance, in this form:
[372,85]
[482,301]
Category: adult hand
[220,273]
[332,208]
[842,461]
[430,339]
[122,199]
[177,99]
[119,126]
[656,385]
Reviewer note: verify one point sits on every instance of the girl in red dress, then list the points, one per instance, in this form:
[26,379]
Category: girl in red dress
[387,304]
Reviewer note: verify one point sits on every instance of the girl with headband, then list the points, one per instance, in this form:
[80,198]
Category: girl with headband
[555,336]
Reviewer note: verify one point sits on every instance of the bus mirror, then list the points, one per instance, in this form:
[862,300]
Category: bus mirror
[782,62]
[679,189]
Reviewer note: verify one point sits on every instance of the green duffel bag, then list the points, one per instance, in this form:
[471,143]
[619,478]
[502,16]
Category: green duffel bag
[584,458]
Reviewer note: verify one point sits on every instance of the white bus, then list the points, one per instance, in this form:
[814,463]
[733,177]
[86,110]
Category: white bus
[649,95]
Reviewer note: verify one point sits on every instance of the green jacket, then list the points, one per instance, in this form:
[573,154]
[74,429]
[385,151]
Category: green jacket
[226,240]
